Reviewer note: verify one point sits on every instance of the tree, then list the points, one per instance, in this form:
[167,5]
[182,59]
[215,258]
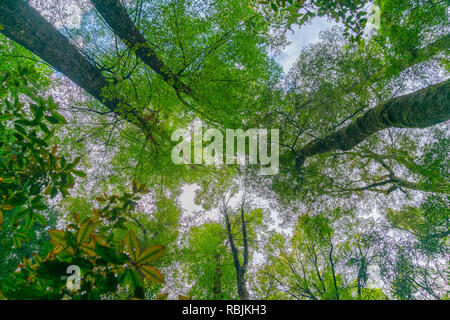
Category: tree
[359,209]
[239,222]
[351,13]
[328,257]
[117,18]
[31,173]
[338,94]
[419,241]
[241,267]
[30,167]
[420,109]
[26,26]
[209,263]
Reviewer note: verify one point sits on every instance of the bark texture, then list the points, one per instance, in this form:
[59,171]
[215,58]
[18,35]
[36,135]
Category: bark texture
[24,25]
[419,109]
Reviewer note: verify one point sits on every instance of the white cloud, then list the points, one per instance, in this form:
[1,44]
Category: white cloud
[299,38]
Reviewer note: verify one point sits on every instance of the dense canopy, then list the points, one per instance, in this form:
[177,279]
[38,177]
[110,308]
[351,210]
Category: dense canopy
[94,206]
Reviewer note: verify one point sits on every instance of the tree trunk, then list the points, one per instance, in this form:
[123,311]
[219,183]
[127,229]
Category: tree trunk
[333,272]
[240,269]
[24,25]
[217,288]
[241,284]
[118,19]
[419,109]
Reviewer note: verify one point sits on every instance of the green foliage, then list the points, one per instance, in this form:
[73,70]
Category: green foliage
[209,264]
[351,13]
[30,167]
[104,264]
[328,257]
[428,223]
[31,172]
[408,23]
[223,51]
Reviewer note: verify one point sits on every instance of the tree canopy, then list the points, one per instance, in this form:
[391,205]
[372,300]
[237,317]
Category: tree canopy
[92,205]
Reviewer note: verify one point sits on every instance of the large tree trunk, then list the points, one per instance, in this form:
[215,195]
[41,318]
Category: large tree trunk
[118,19]
[419,109]
[24,25]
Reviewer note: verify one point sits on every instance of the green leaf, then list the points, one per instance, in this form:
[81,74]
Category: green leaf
[72,165]
[59,117]
[18,199]
[106,253]
[131,278]
[86,229]
[40,219]
[52,119]
[79,173]
[16,242]
[152,274]
[151,254]
[38,111]
[22,236]
[132,243]
[274,7]
[54,192]
[29,221]
[58,236]
[5,116]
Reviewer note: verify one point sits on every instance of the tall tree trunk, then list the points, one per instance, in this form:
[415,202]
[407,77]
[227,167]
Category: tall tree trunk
[240,269]
[241,284]
[24,25]
[217,285]
[420,109]
[118,19]
[333,272]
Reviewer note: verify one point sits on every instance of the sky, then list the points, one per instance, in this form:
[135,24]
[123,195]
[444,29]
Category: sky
[299,38]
